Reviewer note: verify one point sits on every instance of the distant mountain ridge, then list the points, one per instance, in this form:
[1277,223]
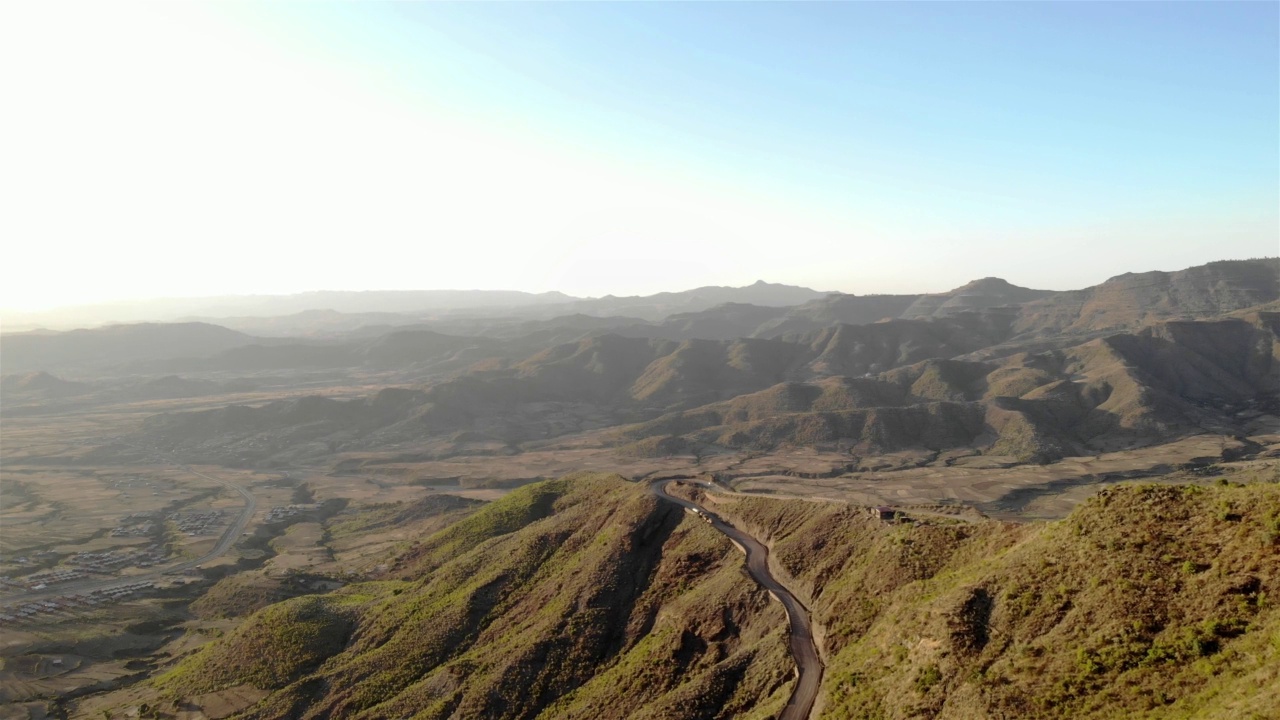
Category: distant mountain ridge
[1135,299]
[1123,302]
[1179,376]
[1000,318]
[26,352]
[40,384]
[416,304]
[876,388]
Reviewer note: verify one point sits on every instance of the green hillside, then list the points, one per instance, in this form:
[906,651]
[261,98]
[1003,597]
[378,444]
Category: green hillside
[576,598]
[1147,602]
[586,597]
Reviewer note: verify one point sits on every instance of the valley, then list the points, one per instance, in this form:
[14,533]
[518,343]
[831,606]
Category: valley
[463,514]
[640,361]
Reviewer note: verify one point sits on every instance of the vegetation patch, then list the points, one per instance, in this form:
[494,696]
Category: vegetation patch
[271,649]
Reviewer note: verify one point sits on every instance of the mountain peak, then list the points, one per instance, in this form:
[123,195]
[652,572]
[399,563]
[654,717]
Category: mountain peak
[987,283]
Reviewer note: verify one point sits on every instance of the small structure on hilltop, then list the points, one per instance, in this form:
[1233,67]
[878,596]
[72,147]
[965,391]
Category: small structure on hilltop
[884,512]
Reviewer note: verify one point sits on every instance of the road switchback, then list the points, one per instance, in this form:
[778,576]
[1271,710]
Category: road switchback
[803,648]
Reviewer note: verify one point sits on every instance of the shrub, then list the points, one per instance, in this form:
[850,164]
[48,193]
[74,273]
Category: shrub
[928,676]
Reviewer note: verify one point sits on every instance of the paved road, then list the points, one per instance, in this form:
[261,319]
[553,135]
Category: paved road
[229,537]
[721,488]
[232,533]
[803,648]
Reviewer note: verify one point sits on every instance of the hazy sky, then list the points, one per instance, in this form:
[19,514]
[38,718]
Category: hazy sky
[178,149]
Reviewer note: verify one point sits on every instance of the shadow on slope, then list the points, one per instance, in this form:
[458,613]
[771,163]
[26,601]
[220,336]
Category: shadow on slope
[583,597]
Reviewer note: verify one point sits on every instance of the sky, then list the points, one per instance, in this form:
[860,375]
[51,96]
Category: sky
[185,149]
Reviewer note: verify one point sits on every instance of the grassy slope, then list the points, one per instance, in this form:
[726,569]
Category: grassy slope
[586,598]
[273,648]
[582,597]
[1154,601]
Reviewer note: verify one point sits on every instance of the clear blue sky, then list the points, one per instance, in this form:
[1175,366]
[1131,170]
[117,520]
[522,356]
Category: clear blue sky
[1021,112]
[853,146]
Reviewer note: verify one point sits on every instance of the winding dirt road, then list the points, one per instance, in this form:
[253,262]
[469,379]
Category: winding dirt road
[803,648]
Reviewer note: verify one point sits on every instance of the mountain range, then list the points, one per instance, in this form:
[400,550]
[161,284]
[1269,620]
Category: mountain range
[713,313]
[1026,374]
[323,308]
[595,595]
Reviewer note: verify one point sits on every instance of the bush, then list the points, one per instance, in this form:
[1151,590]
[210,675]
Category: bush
[929,676]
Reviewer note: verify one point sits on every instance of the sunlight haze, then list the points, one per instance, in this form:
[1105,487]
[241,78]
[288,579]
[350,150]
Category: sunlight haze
[181,149]
[619,360]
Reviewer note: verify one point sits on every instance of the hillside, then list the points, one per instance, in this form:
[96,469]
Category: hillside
[408,347]
[1135,299]
[576,598]
[40,385]
[722,322]
[586,597]
[1171,378]
[862,349]
[113,345]
[1125,302]
[279,431]
[1148,601]
[837,309]
[327,311]
[872,388]
[593,383]
[979,295]
[660,305]
[990,317]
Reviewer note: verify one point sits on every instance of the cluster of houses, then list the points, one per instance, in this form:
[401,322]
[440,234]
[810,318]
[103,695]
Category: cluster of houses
[135,484]
[281,513]
[111,560]
[36,557]
[143,524]
[139,524]
[40,581]
[142,530]
[197,523]
[66,605]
